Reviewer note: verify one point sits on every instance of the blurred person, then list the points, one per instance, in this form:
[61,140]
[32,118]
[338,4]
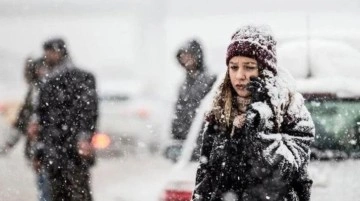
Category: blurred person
[197,84]
[67,114]
[26,121]
[23,115]
[193,89]
[33,73]
[256,143]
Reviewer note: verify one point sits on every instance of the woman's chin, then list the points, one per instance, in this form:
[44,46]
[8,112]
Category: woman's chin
[243,94]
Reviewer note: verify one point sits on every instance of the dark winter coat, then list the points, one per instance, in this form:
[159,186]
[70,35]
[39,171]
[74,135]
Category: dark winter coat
[191,92]
[260,161]
[22,121]
[24,114]
[68,110]
[24,117]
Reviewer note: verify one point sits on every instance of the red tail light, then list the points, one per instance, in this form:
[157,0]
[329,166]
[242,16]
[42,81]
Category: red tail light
[175,195]
[100,141]
[2,108]
[143,113]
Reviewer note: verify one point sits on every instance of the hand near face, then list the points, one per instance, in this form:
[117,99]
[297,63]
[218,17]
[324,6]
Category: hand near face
[259,92]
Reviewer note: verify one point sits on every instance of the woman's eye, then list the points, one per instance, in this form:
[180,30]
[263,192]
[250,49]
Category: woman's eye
[250,67]
[233,67]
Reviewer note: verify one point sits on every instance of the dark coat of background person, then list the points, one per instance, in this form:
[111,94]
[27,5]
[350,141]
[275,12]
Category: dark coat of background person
[68,111]
[27,109]
[191,92]
[23,118]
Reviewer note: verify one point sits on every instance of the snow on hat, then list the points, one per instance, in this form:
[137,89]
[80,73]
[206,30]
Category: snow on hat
[256,42]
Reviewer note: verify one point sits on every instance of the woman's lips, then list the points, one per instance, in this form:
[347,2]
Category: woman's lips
[240,86]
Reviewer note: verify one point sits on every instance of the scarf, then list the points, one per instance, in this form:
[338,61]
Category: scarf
[242,103]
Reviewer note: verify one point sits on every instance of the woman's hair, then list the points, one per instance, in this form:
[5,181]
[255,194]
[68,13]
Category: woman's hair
[222,107]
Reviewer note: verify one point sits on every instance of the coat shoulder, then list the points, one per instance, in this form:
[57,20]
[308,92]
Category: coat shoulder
[77,72]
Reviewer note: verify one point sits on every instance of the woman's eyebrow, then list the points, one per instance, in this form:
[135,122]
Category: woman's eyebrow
[251,63]
[232,63]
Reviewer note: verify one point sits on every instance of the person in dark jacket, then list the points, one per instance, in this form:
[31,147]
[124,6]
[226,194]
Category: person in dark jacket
[256,142]
[68,110]
[196,85]
[26,122]
[33,73]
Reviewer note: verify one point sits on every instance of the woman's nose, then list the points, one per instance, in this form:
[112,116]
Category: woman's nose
[240,74]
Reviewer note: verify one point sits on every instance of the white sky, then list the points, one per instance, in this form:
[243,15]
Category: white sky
[138,39]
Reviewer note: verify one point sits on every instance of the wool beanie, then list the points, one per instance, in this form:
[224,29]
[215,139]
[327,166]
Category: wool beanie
[255,42]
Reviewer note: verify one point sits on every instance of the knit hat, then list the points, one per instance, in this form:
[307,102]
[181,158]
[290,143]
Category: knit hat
[56,44]
[254,42]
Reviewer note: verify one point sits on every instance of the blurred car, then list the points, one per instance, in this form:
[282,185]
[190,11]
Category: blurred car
[8,115]
[9,110]
[337,122]
[128,119]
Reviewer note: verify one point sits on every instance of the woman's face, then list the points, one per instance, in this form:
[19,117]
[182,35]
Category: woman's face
[240,70]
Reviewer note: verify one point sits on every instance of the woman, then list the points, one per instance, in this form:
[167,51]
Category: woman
[258,132]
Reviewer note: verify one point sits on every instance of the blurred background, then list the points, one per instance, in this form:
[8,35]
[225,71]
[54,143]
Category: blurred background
[131,47]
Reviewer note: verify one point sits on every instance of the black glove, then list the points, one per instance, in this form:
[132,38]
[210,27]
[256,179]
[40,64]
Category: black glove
[259,93]
[252,124]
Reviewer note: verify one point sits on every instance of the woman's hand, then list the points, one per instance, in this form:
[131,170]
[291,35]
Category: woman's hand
[259,93]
